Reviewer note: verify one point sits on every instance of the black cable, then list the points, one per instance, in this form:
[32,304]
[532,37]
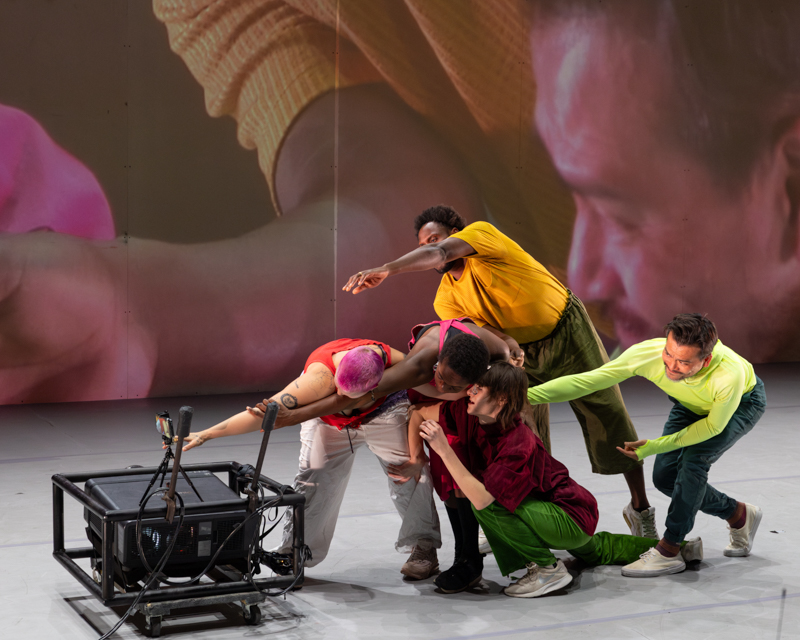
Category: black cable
[212,561]
[159,566]
[305,554]
[154,574]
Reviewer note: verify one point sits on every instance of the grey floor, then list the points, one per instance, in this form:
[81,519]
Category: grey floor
[357,592]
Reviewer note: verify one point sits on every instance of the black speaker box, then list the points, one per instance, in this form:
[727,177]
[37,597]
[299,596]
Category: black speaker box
[200,535]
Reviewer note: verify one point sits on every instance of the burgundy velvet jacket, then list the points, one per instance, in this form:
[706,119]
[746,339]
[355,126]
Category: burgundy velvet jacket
[514,465]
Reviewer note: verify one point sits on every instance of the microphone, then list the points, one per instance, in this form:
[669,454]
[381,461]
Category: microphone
[184,421]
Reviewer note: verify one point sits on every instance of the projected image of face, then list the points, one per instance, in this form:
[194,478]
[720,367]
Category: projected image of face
[655,232]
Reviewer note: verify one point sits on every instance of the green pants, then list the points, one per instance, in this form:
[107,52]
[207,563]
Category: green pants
[574,347]
[529,533]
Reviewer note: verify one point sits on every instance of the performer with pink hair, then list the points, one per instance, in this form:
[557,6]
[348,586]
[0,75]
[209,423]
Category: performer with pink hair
[352,368]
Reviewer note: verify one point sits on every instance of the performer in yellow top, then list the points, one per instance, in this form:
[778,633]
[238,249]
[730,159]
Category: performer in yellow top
[490,279]
[718,399]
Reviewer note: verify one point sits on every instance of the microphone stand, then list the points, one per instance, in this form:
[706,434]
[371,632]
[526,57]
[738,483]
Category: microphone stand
[184,427]
[267,424]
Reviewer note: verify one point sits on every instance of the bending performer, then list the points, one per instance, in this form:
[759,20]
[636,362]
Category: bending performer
[349,369]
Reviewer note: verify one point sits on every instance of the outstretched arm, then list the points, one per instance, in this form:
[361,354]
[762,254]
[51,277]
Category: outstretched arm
[423,258]
[316,383]
[407,374]
[414,370]
[243,422]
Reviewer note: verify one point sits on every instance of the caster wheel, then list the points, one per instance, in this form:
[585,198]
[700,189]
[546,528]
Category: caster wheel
[154,627]
[253,615]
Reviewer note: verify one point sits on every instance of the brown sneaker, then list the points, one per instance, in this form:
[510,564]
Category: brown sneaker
[421,564]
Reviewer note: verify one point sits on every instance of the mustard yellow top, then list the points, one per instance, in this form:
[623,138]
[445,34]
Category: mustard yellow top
[715,391]
[464,66]
[501,286]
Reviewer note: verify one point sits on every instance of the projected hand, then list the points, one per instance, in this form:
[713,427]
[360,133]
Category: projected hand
[64,332]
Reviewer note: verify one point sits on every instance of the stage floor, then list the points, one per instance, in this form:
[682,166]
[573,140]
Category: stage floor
[358,592]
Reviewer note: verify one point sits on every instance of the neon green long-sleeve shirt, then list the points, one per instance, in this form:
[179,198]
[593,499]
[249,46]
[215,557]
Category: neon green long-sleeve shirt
[714,392]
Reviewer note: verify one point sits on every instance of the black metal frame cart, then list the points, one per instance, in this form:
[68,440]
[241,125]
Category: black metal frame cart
[228,585]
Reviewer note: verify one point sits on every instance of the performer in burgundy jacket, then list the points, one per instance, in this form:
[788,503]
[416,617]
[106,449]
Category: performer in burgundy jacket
[523,497]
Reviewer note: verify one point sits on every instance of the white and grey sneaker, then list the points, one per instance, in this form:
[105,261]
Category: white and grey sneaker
[692,551]
[483,543]
[641,523]
[539,581]
[651,563]
[742,539]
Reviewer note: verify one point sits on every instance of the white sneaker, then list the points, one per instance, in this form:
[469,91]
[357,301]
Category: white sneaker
[539,581]
[483,543]
[651,563]
[692,551]
[742,539]
[641,523]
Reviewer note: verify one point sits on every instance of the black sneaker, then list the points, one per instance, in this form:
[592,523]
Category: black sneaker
[280,563]
[459,577]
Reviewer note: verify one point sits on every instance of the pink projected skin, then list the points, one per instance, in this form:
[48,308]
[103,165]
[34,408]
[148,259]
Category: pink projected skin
[42,187]
[106,319]
[655,234]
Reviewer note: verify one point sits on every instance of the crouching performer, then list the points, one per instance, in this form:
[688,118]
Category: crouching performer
[717,399]
[523,498]
[350,368]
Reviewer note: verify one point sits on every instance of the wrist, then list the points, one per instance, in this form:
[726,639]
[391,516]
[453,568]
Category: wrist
[447,453]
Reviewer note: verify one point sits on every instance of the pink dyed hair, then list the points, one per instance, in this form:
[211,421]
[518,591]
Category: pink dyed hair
[360,370]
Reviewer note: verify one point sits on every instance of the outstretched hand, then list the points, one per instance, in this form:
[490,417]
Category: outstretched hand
[516,357]
[368,279]
[631,447]
[191,441]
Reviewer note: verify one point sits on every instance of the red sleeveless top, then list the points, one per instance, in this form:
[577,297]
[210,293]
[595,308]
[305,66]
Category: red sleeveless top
[324,355]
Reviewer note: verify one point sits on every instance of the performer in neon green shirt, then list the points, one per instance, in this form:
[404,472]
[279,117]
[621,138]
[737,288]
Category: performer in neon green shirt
[717,399]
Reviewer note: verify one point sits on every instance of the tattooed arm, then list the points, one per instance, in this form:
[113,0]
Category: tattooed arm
[316,383]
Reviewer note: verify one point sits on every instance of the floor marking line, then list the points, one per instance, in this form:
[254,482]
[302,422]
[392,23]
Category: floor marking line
[631,616]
